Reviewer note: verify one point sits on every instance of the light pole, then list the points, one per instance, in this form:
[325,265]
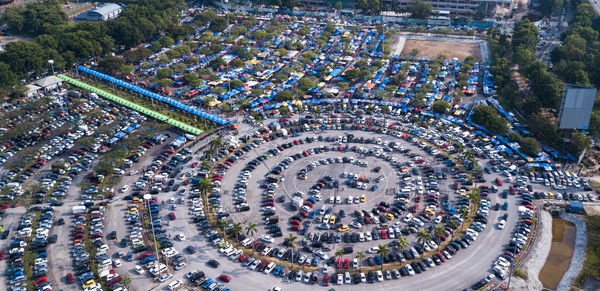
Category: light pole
[51,62]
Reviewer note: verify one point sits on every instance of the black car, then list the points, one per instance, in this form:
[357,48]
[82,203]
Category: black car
[213,263]
[191,249]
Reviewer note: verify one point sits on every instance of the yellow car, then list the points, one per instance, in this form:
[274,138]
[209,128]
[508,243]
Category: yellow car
[89,283]
[132,210]
[302,177]
[363,198]
[2,228]
[344,228]
[137,200]
[389,216]
[332,219]
[429,211]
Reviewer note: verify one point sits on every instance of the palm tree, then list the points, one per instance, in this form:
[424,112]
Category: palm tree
[438,230]
[236,230]
[463,212]
[204,186]
[402,243]
[222,224]
[291,241]
[475,195]
[360,256]
[251,228]
[205,165]
[423,237]
[382,251]
[454,225]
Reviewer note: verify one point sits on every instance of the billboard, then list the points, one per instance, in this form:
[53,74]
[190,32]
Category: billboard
[576,107]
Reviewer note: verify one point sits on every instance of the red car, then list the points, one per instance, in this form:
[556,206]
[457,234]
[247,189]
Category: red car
[225,278]
[70,278]
[384,234]
[498,182]
[2,255]
[295,222]
[40,281]
[346,264]
[295,227]
[172,216]
[326,280]
[340,264]
[195,164]
[4,206]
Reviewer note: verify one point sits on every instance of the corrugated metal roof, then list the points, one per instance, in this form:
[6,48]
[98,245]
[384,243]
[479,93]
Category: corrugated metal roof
[106,8]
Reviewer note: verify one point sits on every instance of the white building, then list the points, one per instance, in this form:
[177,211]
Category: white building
[103,12]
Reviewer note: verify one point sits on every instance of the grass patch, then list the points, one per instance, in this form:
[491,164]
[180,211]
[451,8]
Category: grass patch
[520,273]
[595,185]
[558,228]
[591,264]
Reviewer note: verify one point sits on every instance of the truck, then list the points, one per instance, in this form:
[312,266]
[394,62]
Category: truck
[79,209]
[296,202]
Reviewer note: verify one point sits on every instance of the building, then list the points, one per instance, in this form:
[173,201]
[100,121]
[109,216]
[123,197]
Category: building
[456,7]
[103,12]
[48,83]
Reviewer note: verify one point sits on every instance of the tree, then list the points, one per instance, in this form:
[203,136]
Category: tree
[401,243]
[360,256]
[530,146]
[439,230]
[164,83]
[111,64]
[236,63]
[251,228]
[291,242]
[463,212]
[414,52]
[489,118]
[423,237]
[383,252]
[284,95]
[285,111]
[236,230]
[420,9]
[306,84]
[338,5]
[579,141]
[351,74]
[204,186]
[218,24]
[164,73]
[191,79]
[364,74]
[440,106]
[513,136]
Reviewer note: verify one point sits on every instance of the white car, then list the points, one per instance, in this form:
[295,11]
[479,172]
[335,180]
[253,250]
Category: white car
[356,224]
[501,224]
[268,239]
[180,237]
[175,284]
[139,270]
[117,263]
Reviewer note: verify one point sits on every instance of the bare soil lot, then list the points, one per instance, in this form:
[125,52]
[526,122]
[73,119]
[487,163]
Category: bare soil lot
[432,49]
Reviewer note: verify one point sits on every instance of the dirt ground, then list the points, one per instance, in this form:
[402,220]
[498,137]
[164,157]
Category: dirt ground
[431,49]
[557,263]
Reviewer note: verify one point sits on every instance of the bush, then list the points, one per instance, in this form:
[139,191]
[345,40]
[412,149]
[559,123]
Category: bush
[520,273]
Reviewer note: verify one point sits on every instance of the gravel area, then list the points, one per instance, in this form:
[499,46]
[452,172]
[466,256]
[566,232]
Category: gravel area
[539,252]
[578,251]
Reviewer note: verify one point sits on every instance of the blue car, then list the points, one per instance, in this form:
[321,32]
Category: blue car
[277,270]
[378,260]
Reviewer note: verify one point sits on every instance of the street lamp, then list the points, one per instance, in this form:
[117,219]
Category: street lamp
[51,62]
